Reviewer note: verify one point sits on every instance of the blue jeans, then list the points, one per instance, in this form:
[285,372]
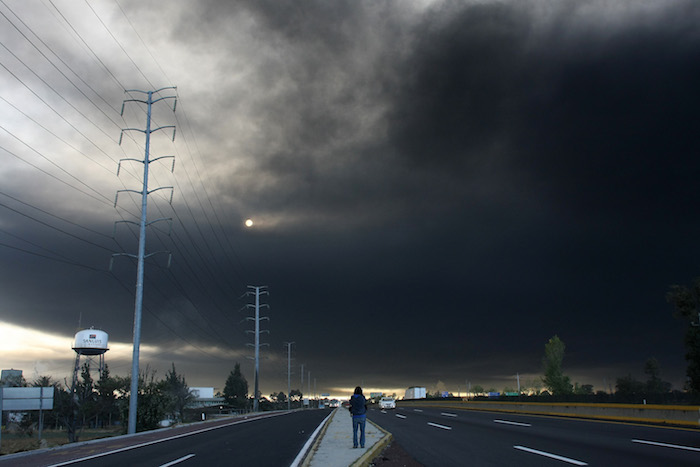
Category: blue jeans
[358,421]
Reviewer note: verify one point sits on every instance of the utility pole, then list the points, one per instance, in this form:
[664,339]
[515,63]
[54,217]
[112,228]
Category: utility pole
[257,290]
[289,374]
[142,236]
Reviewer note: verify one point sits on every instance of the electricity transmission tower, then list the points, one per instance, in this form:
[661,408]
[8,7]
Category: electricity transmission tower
[257,291]
[150,100]
[289,374]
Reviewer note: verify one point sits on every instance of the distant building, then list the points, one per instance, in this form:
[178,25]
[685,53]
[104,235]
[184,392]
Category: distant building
[204,397]
[11,378]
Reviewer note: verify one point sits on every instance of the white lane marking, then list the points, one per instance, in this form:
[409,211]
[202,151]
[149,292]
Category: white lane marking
[665,445]
[511,423]
[400,416]
[440,426]
[148,443]
[177,461]
[447,414]
[307,446]
[550,455]
[417,410]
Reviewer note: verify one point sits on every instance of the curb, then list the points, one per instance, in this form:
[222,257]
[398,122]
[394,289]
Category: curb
[314,447]
[366,459]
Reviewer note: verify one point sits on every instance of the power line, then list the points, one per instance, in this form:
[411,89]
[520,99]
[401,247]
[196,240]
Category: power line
[50,87]
[64,261]
[54,65]
[142,42]
[53,215]
[58,137]
[54,228]
[119,84]
[120,45]
[108,202]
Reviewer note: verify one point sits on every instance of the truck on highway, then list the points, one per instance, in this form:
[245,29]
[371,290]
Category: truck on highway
[415,392]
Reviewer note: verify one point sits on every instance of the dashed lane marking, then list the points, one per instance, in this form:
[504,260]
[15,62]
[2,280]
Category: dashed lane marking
[507,422]
[177,461]
[550,455]
[666,445]
[436,425]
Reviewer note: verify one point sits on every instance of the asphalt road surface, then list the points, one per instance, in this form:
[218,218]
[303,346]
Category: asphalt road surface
[438,437]
[268,440]
[434,437]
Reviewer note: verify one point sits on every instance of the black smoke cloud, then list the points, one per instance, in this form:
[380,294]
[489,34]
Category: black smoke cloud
[450,187]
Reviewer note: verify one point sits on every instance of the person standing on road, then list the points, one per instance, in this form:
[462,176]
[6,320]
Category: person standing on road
[358,409]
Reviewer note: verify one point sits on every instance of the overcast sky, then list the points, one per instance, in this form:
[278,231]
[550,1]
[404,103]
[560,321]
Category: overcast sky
[437,187]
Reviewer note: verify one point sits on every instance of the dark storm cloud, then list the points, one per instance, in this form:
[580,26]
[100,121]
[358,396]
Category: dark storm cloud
[320,77]
[544,163]
[566,111]
[451,187]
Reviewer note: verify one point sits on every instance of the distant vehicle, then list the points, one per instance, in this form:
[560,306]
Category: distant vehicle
[334,403]
[415,392]
[387,403]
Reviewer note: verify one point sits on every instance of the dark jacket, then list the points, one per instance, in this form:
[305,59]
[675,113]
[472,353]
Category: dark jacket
[358,405]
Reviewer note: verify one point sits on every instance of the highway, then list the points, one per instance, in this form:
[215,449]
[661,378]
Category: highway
[267,441]
[438,437]
[433,436]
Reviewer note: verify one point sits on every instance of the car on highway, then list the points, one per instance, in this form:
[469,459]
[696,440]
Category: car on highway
[387,403]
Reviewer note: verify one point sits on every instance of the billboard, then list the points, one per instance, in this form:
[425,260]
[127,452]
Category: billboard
[20,399]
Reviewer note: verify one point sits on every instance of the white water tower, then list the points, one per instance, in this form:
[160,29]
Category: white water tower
[90,343]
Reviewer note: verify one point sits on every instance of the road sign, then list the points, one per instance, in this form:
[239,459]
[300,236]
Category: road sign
[19,399]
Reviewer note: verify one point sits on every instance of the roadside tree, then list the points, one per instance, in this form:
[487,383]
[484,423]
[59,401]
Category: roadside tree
[177,394]
[655,385]
[554,379]
[107,407]
[296,395]
[628,389]
[236,389]
[686,301]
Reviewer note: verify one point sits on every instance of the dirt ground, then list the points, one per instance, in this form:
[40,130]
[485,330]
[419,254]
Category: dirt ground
[394,456]
[13,442]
